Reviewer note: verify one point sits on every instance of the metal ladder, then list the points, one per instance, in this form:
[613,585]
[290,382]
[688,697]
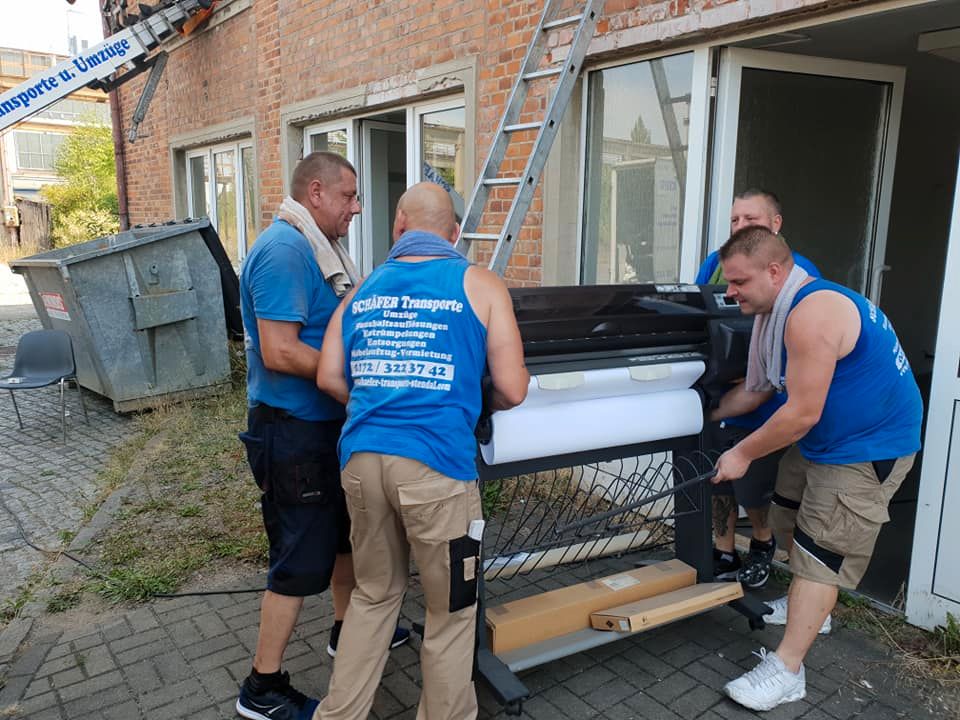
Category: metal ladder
[525,184]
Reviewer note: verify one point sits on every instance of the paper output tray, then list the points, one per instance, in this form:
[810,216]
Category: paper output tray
[537,654]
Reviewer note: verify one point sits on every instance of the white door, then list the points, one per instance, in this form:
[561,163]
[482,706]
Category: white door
[384,179]
[822,135]
[934,587]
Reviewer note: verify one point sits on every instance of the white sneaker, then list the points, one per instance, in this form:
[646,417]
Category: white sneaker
[769,684]
[779,616]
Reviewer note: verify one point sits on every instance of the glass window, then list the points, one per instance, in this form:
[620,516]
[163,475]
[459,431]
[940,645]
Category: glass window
[442,136]
[224,165]
[37,151]
[11,63]
[637,123]
[222,186]
[76,110]
[332,141]
[199,180]
[249,194]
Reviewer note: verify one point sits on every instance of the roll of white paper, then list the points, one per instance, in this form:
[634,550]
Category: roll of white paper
[535,431]
[558,388]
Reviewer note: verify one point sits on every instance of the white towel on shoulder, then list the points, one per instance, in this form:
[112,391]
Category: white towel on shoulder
[334,261]
[765,360]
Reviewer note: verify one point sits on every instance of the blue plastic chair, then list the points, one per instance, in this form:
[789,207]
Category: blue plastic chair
[44,357]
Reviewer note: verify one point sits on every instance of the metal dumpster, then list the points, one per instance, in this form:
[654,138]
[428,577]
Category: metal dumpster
[145,309]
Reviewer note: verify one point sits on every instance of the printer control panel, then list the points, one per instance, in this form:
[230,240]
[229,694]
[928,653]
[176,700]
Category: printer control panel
[725,303]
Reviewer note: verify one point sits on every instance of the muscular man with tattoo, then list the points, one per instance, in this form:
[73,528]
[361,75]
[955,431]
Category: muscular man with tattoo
[754,490]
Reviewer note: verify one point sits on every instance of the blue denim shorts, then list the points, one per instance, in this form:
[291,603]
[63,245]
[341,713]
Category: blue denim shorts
[295,465]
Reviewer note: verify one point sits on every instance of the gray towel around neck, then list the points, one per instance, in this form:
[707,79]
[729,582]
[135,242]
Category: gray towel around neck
[765,360]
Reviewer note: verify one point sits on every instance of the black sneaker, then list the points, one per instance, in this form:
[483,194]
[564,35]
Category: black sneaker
[726,565]
[756,570]
[400,637]
[280,702]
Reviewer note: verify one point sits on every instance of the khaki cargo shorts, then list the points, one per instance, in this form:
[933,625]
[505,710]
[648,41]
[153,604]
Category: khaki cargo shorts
[835,513]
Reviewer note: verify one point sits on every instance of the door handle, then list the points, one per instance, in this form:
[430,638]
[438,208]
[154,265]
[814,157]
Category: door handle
[878,282]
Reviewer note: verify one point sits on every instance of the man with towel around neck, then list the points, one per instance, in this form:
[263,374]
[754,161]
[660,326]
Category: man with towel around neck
[853,409]
[413,395]
[292,280]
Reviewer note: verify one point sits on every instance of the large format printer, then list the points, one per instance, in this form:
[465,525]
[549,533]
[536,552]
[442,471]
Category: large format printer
[617,371]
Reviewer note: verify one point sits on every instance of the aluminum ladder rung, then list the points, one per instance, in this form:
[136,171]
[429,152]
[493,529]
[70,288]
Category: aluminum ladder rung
[537,74]
[554,24]
[566,74]
[523,126]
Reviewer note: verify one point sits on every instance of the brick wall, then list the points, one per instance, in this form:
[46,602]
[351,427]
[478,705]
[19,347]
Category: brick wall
[280,52]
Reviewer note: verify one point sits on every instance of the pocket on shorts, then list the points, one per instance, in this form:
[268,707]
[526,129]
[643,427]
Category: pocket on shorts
[464,566]
[299,481]
[257,458]
[353,491]
[426,508]
[854,525]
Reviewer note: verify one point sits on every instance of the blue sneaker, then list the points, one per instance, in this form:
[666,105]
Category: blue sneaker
[400,637]
[281,702]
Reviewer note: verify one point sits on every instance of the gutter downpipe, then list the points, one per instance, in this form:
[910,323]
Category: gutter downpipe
[118,147]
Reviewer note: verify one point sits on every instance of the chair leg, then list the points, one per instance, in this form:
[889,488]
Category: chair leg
[19,421]
[63,411]
[83,407]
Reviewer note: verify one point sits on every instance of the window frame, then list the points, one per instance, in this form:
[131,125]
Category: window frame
[210,191]
[351,124]
[694,200]
[41,134]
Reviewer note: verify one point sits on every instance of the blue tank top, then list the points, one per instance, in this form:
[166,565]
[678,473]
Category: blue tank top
[873,408]
[415,355]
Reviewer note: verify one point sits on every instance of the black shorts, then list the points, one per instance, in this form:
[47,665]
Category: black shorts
[754,489]
[295,465]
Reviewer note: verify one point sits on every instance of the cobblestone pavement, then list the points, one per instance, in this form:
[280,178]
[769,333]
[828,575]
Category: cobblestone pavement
[44,483]
[184,658]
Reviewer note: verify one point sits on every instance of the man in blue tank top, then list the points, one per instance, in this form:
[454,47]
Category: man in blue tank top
[854,411]
[754,490]
[288,290]
[407,353]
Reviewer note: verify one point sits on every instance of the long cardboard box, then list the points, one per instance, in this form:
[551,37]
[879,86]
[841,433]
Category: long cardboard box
[665,608]
[565,610]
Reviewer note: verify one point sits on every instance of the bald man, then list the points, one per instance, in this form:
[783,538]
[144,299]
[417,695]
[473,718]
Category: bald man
[406,352]
[852,408]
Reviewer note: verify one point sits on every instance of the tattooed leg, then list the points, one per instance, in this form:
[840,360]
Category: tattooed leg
[724,521]
[758,519]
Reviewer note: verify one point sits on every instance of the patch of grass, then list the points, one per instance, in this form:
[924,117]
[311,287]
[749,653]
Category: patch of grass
[195,502]
[134,584]
[9,252]
[65,599]
[66,536]
[948,638]
[28,591]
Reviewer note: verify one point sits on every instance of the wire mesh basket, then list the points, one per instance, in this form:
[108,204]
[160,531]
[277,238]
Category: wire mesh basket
[553,519]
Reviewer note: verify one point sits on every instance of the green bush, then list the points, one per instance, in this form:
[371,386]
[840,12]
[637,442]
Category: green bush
[84,206]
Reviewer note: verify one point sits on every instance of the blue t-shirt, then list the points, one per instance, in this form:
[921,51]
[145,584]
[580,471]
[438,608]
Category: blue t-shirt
[873,408]
[754,419]
[710,265]
[415,355]
[281,280]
